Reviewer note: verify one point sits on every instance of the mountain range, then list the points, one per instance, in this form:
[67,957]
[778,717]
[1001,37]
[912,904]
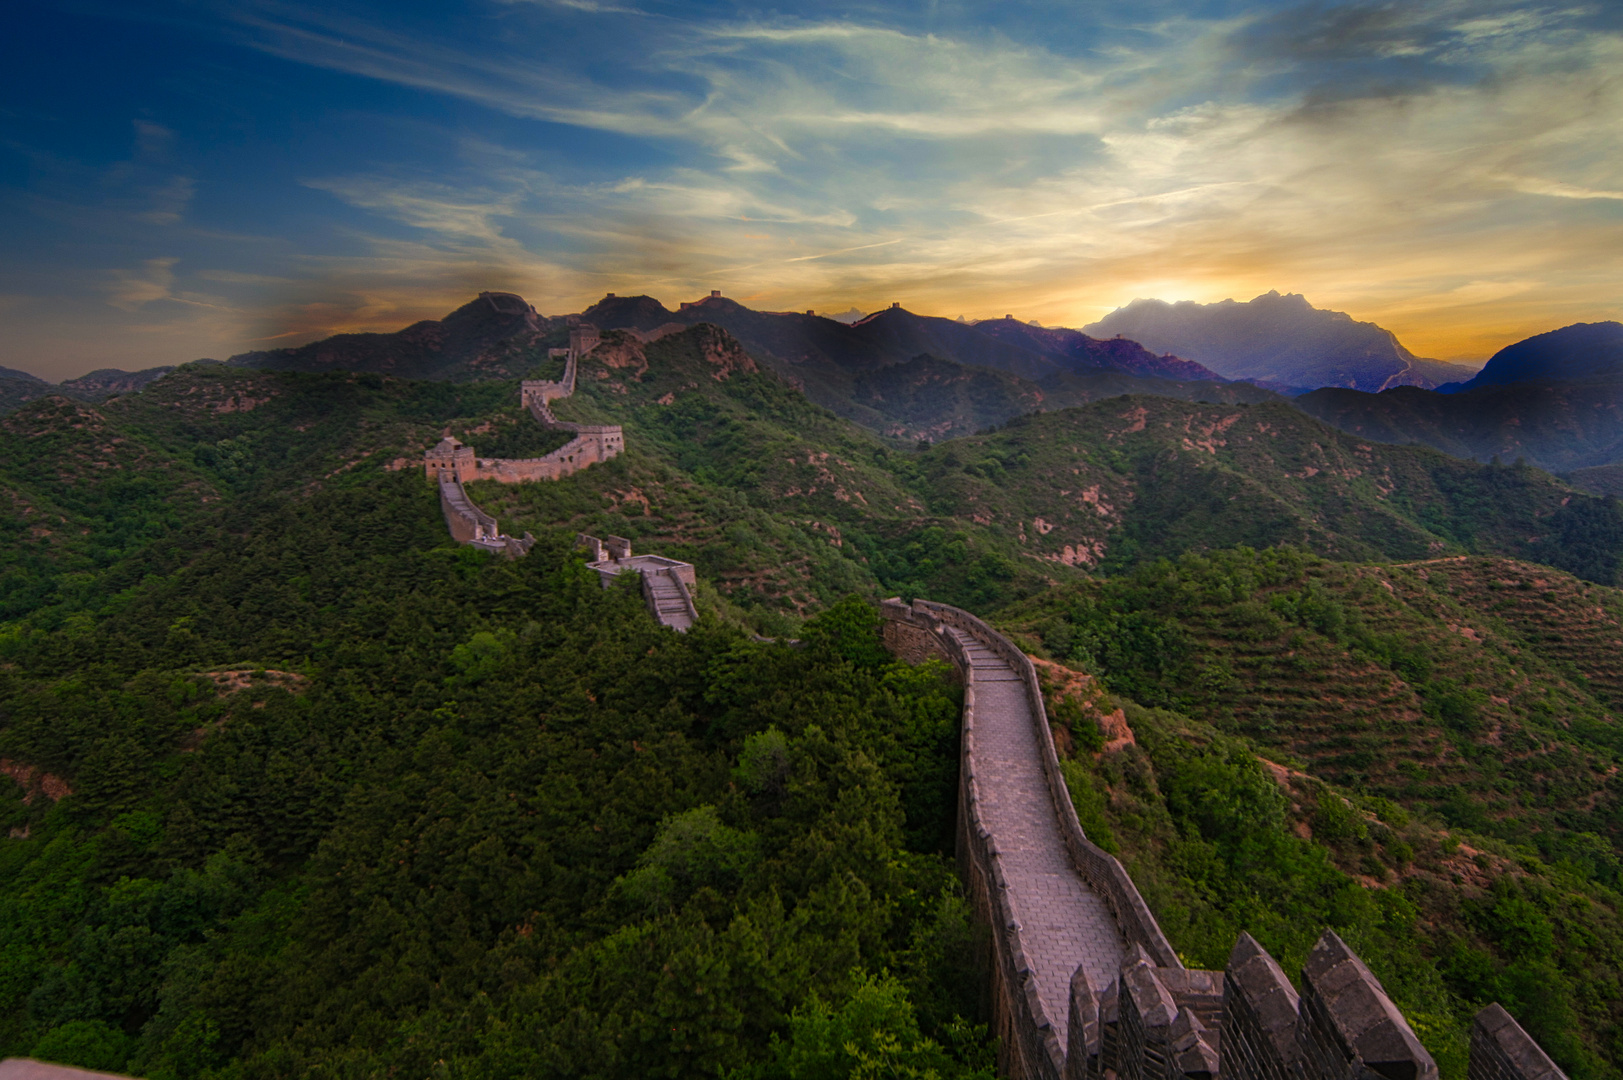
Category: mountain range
[1281,341]
[19,387]
[292,724]
[905,375]
[1555,399]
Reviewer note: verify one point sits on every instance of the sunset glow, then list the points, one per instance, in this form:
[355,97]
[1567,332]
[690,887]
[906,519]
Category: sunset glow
[200,179]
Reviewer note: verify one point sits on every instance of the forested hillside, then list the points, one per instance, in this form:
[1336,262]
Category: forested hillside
[333,795]
[1467,710]
[300,787]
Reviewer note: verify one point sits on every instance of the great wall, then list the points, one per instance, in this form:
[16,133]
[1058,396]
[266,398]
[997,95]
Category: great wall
[1084,984]
[667,584]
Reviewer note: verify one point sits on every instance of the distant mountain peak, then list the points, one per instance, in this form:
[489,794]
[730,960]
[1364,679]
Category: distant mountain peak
[1276,339]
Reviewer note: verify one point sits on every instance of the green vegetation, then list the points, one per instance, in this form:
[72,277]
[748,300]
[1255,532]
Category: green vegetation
[298,786]
[1469,848]
[490,819]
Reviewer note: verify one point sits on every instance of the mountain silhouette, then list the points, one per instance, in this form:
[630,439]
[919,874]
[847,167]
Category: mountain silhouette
[1579,351]
[1555,399]
[1277,340]
[494,336]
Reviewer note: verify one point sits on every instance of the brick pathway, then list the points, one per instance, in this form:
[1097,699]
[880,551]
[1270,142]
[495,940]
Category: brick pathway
[1063,923]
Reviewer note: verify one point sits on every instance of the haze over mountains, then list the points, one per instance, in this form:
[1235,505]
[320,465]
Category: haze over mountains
[905,375]
[19,387]
[1278,341]
[1555,399]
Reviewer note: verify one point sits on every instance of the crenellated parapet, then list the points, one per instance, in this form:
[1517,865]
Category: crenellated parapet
[1057,904]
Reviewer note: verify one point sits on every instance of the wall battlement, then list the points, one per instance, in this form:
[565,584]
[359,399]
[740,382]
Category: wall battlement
[1052,898]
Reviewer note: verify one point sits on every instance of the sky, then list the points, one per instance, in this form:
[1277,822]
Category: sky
[202,178]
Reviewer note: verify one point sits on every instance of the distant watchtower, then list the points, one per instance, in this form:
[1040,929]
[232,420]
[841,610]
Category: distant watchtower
[583,338]
[450,458]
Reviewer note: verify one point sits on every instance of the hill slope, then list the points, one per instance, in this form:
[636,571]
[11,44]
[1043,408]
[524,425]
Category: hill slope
[1130,479]
[1560,426]
[1277,340]
[19,387]
[292,724]
[921,377]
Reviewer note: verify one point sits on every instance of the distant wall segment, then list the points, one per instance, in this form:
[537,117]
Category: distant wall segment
[453,464]
[1049,895]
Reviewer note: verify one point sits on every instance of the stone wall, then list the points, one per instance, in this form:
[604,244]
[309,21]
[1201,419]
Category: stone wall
[453,464]
[1501,1050]
[1101,870]
[465,520]
[667,584]
[1159,1020]
[1030,1047]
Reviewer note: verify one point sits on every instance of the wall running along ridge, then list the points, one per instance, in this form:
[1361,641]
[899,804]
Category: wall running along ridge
[453,464]
[1084,985]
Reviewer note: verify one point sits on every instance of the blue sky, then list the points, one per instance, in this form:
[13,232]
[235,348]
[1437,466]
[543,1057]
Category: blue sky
[199,178]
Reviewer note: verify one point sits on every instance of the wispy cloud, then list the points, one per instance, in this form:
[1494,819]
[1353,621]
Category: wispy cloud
[1425,161]
[132,289]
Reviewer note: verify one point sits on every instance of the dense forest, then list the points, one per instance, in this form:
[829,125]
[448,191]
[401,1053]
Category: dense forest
[352,801]
[300,787]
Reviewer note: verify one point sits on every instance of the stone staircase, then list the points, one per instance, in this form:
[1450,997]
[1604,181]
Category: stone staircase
[669,599]
[667,584]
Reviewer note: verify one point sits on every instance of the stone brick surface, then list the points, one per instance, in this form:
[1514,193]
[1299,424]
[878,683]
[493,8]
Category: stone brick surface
[1501,1050]
[1348,1026]
[1063,922]
[1259,1016]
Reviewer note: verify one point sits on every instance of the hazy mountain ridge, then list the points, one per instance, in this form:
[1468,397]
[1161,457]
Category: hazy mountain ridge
[1555,399]
[1580,351]
[17,388]
[841,366]
[1277,340]
[496,336]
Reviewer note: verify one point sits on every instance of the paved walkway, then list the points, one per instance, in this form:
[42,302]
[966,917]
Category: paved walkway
[1063,923]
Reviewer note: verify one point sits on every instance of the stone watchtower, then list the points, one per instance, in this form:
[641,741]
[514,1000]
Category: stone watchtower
[583,337]
[450,457]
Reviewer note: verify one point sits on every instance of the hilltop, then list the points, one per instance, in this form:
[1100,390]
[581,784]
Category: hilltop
[19,387]
[782,504]
[1582,351]
[1279,341]
[915,377]
[904,375]
[496,336]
